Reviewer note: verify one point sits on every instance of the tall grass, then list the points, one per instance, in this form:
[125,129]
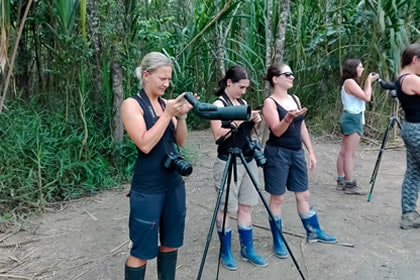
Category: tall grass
[41,161]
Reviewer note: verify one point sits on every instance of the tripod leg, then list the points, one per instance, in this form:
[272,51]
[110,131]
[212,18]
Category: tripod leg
[391,121]
[270,214]
[226,178]
[398,123]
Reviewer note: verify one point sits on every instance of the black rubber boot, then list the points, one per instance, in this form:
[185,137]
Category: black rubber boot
[135,273]
[166,264]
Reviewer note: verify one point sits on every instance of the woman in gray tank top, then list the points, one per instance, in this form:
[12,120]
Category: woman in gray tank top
[408,92]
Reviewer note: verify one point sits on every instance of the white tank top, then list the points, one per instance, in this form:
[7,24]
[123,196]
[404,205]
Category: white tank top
[352,104]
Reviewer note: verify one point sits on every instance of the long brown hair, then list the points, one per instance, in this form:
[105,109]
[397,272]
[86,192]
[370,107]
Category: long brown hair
[349,70]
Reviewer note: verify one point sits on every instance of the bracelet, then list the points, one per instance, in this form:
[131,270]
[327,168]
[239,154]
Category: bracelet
[183,117]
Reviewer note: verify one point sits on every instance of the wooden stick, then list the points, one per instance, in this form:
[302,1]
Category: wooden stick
[14,276]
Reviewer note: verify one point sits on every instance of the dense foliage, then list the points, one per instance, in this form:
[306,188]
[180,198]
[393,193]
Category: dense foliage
[58,75]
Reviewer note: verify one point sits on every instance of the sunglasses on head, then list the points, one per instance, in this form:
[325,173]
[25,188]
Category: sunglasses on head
[287,74]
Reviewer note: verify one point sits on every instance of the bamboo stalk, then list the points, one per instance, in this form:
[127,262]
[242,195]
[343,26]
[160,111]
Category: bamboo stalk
[12,61]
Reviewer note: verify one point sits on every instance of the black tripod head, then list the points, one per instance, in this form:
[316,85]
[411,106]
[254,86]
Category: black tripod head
[252,147]
[388,86]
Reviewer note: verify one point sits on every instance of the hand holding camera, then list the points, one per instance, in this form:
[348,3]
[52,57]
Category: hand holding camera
[178,107]
[256,116]
[384,84]
[373,77]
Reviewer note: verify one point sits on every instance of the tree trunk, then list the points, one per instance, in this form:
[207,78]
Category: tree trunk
[95,36]
[220,50]
[118,91]
[268,55]
[284,14]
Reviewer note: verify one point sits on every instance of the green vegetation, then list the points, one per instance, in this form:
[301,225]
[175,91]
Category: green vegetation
[61,74]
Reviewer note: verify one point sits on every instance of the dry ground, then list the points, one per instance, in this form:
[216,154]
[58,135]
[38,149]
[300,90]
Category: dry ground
[88,239]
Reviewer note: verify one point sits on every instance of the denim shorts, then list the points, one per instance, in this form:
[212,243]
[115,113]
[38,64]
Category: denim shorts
[351,123]
[156,214]
[285,168]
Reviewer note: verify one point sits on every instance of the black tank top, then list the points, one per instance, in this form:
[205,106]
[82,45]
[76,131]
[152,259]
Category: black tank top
[239,139]
[409,103]
[150,176]
[291,138]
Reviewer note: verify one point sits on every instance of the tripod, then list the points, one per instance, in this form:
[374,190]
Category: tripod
[391,122]
[230,167]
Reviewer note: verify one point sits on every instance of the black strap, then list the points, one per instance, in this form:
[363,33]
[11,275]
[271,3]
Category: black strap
[278,104]
[295,99]
[226,100]
[401,78]
[151,117]
[144,101]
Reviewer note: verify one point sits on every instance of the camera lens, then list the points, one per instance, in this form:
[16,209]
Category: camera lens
[254,148]
[183,167]
[175,161]
[259,158]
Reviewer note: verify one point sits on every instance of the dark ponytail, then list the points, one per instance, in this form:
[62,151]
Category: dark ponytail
[235,74]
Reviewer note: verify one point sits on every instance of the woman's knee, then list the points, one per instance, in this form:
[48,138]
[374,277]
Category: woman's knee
[244,209]
[135,262]
[302,197]
[277,200]
[165,249]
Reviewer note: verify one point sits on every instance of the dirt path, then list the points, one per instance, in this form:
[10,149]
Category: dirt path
[88,238]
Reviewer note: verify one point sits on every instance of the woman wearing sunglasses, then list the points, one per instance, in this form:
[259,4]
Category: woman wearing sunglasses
[286,165]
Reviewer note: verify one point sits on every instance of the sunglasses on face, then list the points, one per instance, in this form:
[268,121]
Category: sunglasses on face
[287,74]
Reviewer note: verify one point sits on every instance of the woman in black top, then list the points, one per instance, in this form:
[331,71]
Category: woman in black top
[408,92]
[242,194]
[157,194]
[286,165]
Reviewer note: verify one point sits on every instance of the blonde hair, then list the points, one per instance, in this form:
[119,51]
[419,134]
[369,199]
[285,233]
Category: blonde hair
[151,62]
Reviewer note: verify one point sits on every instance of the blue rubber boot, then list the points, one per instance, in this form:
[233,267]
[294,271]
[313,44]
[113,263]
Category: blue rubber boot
[278,244]
[228,260]
[313,230]
[247,248]
[134,273]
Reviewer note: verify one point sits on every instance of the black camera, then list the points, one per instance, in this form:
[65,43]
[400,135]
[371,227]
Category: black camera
[176,161]
[254,149]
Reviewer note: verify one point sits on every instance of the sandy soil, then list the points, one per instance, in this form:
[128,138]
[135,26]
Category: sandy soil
[88,238]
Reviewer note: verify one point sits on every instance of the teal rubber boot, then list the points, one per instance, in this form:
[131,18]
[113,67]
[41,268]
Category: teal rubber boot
[166,265]
[278,244]
[228,260]
[314,232]
[247,248]
[134,273]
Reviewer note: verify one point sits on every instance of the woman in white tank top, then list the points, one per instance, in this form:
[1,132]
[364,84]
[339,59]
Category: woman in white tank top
[352,120]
